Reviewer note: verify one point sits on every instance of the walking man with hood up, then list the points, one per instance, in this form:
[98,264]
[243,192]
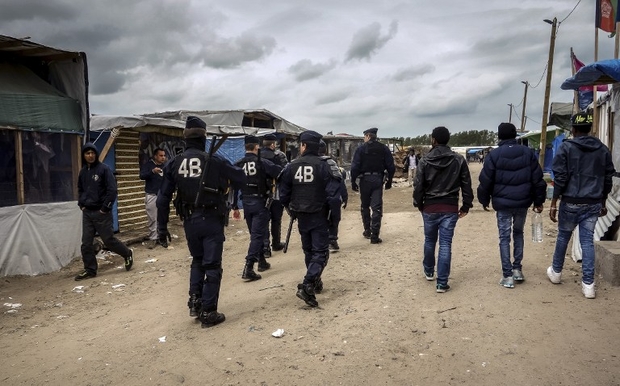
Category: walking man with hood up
[97,193]
[441,174]
[583,172]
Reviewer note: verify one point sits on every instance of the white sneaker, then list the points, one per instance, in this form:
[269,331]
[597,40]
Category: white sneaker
[588,290]
[555,277]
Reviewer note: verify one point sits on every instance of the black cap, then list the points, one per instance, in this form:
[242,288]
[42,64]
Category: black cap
[506,131]
[251,139]
[581,119]
[441,135]
[195,128]
[310,137]
[270,137]
[372,130]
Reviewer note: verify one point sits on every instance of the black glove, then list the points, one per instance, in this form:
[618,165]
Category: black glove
[388,185]
[355,187]
[164,238]
[344,205]
[486,208]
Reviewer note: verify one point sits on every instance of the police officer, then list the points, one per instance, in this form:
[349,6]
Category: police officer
[336,214]
[270,152]
[254,195]
[202,183]
[309,191]
[373,163]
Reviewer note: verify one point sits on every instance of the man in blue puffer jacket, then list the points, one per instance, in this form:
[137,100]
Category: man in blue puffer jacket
[511,180]
[97,193]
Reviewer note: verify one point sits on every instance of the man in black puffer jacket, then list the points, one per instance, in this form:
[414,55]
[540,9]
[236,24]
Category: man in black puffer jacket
[441,174]
[511,180]
[97,193]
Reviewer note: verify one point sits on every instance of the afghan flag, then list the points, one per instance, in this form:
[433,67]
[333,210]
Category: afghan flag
[606,15]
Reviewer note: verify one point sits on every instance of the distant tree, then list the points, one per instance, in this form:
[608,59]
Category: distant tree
[463,138]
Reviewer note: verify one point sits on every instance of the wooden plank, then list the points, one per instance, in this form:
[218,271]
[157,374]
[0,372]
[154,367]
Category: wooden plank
[19,166]
[76,163]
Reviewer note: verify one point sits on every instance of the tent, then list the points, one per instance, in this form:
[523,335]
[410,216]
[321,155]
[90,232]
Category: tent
[597,73]
[43,115]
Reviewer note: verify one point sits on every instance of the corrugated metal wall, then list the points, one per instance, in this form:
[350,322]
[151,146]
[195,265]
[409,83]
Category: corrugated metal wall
[131,211]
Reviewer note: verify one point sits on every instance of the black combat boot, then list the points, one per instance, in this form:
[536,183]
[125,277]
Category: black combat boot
[278,246]
[318,286]
[211,318]
[306,293]
[366,233]
[263,265]
[267,252]
[195,304]
[248,272]
[333,246]
[374,238]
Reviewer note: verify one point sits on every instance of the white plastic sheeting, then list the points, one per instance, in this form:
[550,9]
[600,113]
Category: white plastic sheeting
[39,238]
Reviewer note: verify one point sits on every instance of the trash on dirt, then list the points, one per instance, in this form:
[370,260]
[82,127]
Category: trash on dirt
[278,333]
[162,339]
[13,305]
[150,260]
[78,289]
[117,286]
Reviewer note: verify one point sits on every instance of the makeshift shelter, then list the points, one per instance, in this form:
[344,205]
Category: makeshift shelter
[594,74]
[127,142]
[341,147]
[43,116]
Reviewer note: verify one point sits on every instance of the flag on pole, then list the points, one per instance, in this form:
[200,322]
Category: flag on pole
[578,64]
[607,15]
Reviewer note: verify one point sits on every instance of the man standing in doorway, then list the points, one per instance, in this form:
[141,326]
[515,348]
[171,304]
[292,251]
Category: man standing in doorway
[153,175]
[97,193]
[373,163]
[441,174]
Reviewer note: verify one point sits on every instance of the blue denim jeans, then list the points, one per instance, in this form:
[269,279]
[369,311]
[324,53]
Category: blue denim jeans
[438,226]
[569,217]
[511,221]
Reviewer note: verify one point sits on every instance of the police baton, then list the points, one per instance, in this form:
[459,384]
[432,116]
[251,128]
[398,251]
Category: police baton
[288,232]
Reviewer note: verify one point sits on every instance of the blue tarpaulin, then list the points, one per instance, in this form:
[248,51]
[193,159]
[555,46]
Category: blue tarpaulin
[597,73]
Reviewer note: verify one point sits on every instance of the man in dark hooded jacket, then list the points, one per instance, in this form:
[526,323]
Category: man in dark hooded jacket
[511,180]
[441,174]
[97,193]
[583,172]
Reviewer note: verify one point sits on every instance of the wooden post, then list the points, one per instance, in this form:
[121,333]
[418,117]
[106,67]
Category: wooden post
[76,163]
[106,148]
[595,119]
[19,166]
[545,118]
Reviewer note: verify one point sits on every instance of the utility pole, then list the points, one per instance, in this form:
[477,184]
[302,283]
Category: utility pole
[510,116]
[524,103]
[545,118]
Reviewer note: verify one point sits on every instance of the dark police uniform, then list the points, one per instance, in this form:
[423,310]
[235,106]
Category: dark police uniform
[260,175]
[310,192]
[203,215]
[372,163]
[276,209]
[336,214]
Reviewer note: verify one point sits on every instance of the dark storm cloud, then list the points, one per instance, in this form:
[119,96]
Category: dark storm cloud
[413,72]
[306,70]
[232,52]
[368,40]
[24,10]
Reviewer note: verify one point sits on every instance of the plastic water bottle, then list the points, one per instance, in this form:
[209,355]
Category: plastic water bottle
[537,228]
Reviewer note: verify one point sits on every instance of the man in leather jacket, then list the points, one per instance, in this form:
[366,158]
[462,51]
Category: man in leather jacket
[441,174]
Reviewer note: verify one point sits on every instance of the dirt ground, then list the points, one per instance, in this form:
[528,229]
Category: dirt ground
[379,321]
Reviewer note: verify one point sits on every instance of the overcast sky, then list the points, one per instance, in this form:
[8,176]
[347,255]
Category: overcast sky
[342,66]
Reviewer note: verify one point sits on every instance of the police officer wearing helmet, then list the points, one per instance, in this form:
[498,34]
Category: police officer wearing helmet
[336,214]
[310,192]
[373,163]
[270,152]
[254,195]
[202,182]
